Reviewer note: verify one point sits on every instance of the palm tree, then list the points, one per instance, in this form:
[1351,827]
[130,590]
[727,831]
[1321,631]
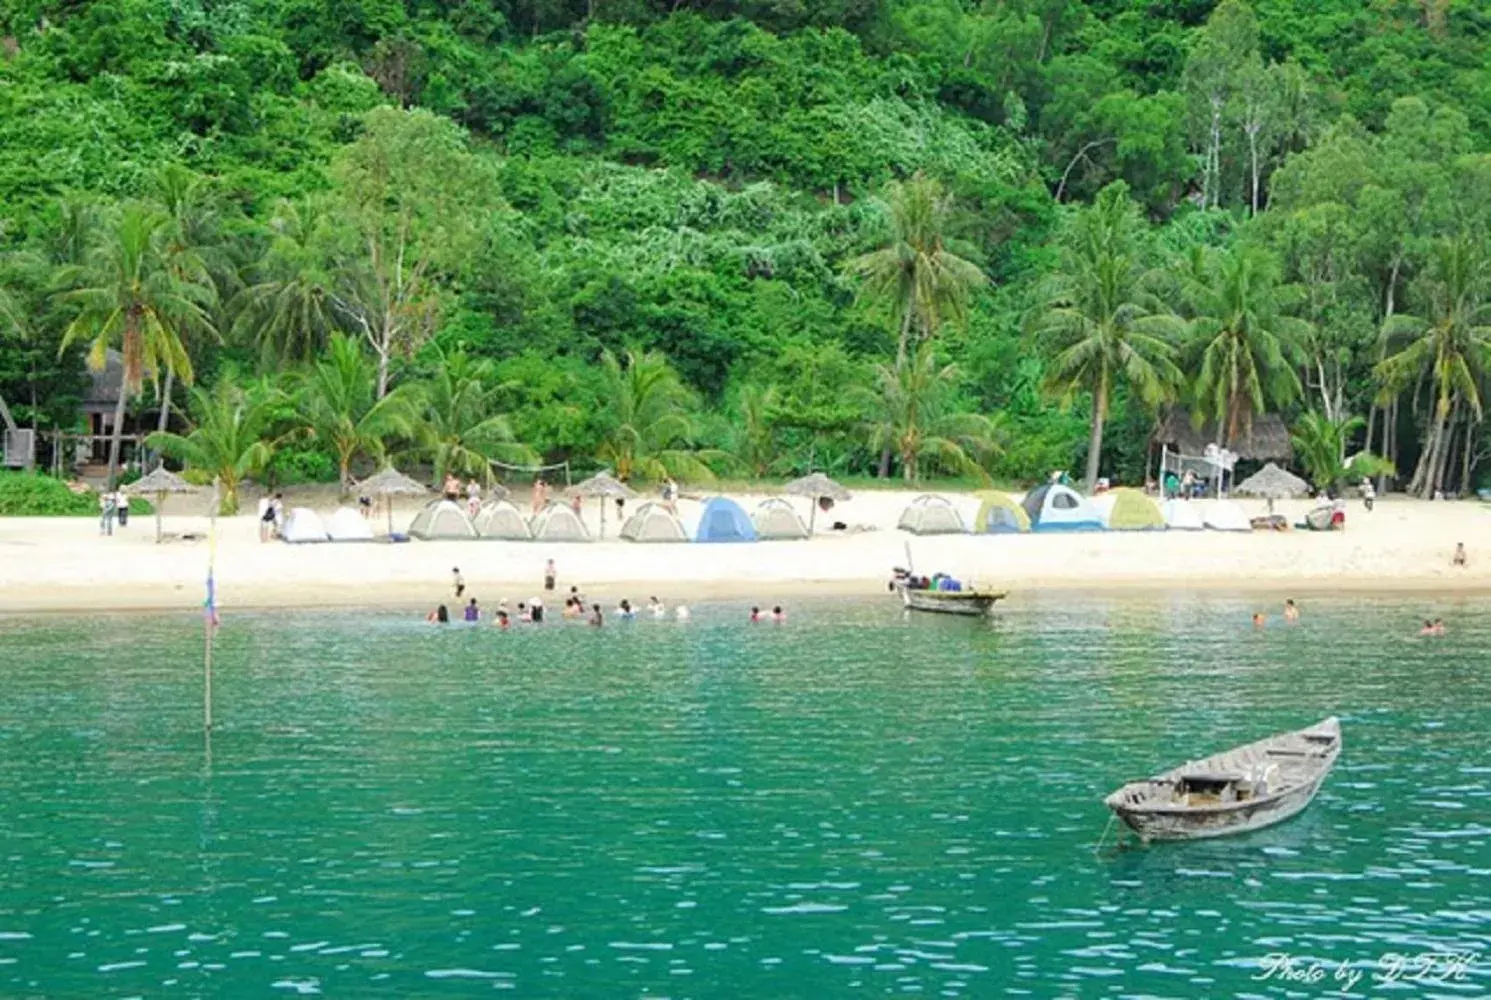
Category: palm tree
[1320,445]
[463,429]
[289,310]
[1101,322]
[753,430]
[1248,347]
[227,438]
[916,417]
[340,408]
[648,420]
[128,293]
[917,276]
[193,244]
[1449,341]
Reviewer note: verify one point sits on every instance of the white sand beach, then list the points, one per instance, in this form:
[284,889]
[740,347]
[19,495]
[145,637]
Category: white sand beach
[56,564]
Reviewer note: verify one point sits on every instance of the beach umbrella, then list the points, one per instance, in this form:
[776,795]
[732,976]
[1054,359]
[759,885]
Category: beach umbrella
[391,483]
[604,486]
[813,487]
[1272,483]
[158,484]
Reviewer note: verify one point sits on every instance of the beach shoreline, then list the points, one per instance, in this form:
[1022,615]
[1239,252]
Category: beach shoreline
[51,565]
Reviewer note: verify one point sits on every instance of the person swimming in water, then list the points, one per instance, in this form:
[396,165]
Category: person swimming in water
[755,614]
[1439,626]
[441,615]
[501,620]
[596,618]
[1291,611]
[778,615]
[657,608]
[524,615]
[472,612]
[1258,619]
[625,610]
[681,613]
[1428,628]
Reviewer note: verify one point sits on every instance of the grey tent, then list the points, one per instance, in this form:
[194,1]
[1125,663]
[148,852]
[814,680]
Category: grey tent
[500,519]
[442,520]
[775,520]
[158,484]
[652,522]
[930,514]
[557,523]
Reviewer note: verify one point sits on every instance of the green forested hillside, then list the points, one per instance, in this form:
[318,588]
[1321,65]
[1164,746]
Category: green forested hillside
[906,237]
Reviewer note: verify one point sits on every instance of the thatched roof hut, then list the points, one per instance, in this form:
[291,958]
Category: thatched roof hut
[1267,438]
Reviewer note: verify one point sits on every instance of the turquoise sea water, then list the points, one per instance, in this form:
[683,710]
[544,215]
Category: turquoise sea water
[854,803]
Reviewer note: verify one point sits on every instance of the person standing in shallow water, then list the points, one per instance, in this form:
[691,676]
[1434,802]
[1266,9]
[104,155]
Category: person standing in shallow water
[596,618]
[457,581]
[551,576]
[472,613]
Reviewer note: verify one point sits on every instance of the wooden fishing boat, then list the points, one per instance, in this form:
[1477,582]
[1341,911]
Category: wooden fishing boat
[949,602]
[1246,788]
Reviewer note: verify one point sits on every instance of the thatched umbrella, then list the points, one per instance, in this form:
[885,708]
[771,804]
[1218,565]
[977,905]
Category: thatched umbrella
[390,483]
[603,486]
[813,487]
[158,484]
[1272,483]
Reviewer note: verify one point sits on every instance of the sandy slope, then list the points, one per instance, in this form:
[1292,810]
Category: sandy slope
[63,563]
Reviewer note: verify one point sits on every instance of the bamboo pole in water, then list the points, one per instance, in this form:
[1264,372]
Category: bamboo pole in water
[209,613]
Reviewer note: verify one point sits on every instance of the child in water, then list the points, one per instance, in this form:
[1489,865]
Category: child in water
[1258,619]
[596,618]
[657,608]
[778,615]
[1291,611]
[501,621]
[441,615]
[755,615]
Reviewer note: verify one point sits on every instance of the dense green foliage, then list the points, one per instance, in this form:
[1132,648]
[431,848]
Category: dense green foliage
[750,238]
[31,495]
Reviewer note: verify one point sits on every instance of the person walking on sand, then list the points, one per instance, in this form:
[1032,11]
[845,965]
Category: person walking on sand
[121,507]
[551,576]
[266,518]
[1369,494]
[106,512]
[1460,558]
[457,581]
[540,493]
[670,496]
[577,504]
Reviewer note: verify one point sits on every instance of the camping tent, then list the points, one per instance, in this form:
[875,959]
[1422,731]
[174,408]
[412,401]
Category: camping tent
[442,520]
[1225,515]
[304,525]
[930,514]
[723,520]
[557,523]
[775,519]
[347,525]
[652,522]
[1182,515]
[1057,507]
[500,519]
[1128,510]
[998,514]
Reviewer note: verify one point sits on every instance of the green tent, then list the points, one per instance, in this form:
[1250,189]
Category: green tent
[1130,510]
[999,514]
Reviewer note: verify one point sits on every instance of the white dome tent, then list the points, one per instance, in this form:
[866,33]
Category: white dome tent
[347,525]
[304,526]
[652,522]
[776,520]
[442,520]
[1182,515]
[500,519]
[930,514]
[557,523]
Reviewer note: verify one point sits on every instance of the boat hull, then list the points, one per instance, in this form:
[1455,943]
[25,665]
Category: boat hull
[1187,824]
[1188,803]
[968,603]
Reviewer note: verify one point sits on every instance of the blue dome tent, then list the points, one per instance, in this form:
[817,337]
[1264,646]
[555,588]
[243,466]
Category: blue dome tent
[723,520]
[1054,507]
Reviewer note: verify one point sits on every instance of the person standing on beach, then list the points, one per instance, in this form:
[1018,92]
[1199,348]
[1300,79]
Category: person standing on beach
[540,493]
[457,581]
[266,518]
[1460,559]
[121,507]
[473,497]
[1369,494]
[551,576]
[106,512]
[670,496]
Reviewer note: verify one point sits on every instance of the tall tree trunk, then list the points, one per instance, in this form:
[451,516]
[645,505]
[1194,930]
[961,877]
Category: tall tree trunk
[1464,487]
[901,345]
[163,422]
[5,417]
[1253,156]
[1095,440]
[1426,454]
[1390,416]
[1445,450]
[117,438]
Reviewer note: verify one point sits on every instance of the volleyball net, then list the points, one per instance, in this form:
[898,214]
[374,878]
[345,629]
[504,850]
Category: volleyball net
[530,471]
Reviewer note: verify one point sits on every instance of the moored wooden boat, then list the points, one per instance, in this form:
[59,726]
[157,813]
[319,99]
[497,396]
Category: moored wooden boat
[949,602]
[1246,788]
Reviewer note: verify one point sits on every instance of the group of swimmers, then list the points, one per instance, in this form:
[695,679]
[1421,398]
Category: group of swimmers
[1291,614]
[532,611]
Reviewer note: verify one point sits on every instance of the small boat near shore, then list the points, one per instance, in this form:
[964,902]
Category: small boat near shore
[1246,788]
[949,602]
